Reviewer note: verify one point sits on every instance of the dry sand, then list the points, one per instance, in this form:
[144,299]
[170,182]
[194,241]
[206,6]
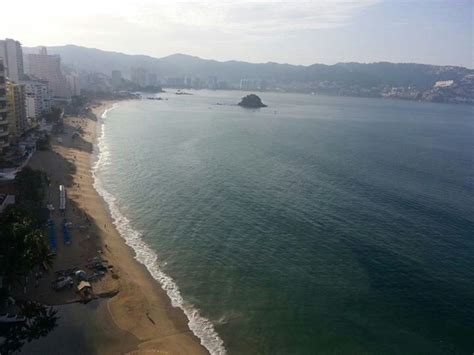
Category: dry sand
[140,317]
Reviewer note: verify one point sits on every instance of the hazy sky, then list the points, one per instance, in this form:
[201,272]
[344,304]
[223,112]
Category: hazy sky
[297,32]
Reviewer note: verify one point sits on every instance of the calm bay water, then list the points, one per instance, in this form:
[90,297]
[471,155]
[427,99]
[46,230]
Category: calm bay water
[317,225]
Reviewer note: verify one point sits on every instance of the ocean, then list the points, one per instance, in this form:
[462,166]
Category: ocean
[317,225]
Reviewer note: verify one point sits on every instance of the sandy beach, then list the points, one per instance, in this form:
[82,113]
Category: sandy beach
[138,315]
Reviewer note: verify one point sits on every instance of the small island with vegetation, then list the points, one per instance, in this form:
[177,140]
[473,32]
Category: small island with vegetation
[251,101]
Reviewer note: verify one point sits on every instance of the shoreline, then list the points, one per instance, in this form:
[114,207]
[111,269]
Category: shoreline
[200,326]
[140,308]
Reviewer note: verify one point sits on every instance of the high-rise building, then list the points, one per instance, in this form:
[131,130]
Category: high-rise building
[95,82]
[37,99]
[3,110]
[188,81]
[48,67]
[12,54]
[175,82]
[197,83]
[73,84]
[212,82]
[138,76]
[152,79]
[116,78]
[250,84]
[16,109]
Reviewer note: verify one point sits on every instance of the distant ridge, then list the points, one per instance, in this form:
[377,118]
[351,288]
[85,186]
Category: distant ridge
[421,76]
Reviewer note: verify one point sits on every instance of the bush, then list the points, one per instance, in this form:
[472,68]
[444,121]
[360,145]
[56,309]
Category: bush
[44,143]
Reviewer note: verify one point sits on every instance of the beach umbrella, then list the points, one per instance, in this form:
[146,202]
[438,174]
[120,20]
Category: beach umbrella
[80,275]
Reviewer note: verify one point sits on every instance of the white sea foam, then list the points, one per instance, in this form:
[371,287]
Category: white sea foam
[199,325]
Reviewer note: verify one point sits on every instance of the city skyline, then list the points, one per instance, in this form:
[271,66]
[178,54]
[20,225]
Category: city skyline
[436,32]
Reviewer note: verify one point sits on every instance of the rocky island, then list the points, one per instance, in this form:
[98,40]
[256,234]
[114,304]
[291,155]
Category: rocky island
[251,101]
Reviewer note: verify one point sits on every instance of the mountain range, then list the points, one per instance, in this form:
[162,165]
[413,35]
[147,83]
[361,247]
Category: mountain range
[419,76]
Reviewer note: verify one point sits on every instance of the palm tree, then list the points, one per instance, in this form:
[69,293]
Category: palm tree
[23,246]
[40,320]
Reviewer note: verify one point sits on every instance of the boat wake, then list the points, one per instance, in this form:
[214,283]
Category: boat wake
[199,325]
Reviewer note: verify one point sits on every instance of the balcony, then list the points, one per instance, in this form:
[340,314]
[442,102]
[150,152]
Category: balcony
[3,109]
[4,133]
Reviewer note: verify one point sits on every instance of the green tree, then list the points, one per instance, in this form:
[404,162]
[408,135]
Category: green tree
[23,247]
[30,185]
[54,116]
[40,320]
[44,143]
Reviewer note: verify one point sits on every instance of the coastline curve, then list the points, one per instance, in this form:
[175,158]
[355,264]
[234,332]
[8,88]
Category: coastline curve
[199,325]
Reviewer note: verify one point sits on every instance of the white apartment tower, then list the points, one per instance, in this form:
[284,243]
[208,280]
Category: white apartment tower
[37,99]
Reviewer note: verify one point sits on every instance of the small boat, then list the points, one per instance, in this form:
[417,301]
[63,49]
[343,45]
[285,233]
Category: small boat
[12,318]
[179,92]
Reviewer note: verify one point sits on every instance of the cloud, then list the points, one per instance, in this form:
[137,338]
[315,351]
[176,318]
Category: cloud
[250,17]
[247,16]
[218,28]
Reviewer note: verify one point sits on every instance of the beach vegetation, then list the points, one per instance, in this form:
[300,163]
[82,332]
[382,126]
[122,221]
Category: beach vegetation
[24,246]
[31,185]
[54,116]
[39,321]
[44,143]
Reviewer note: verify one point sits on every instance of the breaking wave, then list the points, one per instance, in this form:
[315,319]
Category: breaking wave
[199,325]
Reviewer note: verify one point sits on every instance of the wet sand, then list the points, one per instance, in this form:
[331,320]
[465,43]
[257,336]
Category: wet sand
[139,318]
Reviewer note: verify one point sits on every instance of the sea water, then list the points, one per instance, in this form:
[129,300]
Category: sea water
[316,225]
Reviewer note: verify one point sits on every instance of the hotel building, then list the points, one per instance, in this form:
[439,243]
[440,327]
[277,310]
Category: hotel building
[48,67]
[16,110]
[12,54]
[4,141]
[37,99]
